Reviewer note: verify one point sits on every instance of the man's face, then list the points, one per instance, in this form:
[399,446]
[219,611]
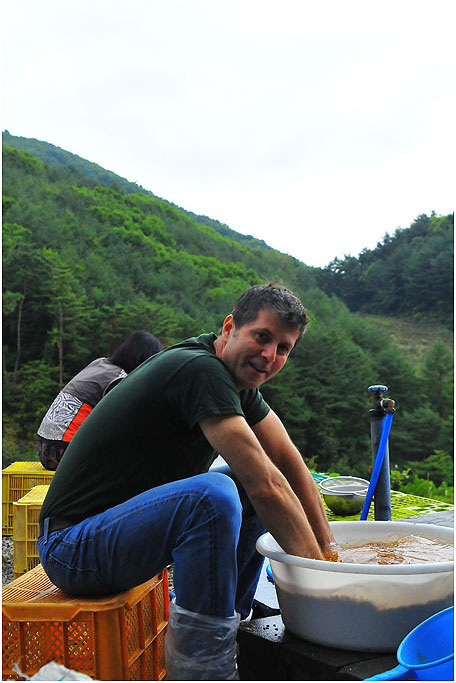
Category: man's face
[255,352]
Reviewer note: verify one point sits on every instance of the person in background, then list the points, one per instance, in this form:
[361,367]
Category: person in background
[134,492]
[78,398]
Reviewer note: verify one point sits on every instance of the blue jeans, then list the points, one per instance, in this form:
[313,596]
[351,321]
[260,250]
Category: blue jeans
[205,525]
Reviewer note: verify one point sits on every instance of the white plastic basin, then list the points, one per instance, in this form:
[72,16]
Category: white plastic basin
[361,607]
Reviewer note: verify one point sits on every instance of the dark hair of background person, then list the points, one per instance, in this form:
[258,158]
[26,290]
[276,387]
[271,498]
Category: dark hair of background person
[135,350]
[274,296]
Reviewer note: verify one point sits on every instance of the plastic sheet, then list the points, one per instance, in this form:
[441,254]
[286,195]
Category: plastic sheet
[54,672]
[200,647]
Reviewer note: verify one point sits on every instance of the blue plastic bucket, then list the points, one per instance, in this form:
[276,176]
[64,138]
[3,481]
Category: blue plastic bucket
[427,652]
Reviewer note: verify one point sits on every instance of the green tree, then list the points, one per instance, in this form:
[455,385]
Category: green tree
[67,306]
[23,271]
[415,435]
[438,467]
[437,378]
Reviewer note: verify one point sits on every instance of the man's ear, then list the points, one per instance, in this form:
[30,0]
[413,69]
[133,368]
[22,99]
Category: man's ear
[228,327]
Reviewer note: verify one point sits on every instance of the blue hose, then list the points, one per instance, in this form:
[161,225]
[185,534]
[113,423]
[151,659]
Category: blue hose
[377,465]
[269,576]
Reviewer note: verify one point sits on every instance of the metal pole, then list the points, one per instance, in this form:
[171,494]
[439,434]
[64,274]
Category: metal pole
[382,496]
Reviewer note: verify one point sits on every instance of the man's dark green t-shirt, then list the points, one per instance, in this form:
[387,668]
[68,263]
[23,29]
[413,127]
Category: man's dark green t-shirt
[145,432]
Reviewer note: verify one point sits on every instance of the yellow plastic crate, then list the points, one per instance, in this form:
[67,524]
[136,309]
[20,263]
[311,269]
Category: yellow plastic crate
[26,514]
[114,638]
[17,480]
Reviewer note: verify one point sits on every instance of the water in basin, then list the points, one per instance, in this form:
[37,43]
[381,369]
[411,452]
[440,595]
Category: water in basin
[405,550]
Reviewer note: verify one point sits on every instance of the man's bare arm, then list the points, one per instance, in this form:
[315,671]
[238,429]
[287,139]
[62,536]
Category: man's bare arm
[271,495]
[277,444]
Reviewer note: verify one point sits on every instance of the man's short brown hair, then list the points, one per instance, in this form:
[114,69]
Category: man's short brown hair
[276,297]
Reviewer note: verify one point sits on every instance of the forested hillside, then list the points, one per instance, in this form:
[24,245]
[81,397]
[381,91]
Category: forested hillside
[86,261]
[56,156]
[408,273]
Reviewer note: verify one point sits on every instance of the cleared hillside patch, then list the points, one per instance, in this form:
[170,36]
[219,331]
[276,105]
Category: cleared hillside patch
[414,336]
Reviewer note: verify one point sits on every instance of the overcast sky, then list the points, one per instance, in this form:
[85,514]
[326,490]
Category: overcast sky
[317,126]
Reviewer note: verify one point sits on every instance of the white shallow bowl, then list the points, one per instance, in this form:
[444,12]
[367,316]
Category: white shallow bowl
[361,607]
[344,495]
[346,485]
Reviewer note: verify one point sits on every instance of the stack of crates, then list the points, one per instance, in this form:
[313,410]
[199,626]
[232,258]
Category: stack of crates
[17,480]
[115,638]
[26,515]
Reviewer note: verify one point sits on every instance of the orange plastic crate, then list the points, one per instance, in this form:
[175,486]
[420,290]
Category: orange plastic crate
[114,638]
[26,514]
[17,480]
